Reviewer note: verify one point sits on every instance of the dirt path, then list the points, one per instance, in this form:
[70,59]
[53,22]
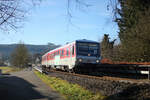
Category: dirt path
[25,85]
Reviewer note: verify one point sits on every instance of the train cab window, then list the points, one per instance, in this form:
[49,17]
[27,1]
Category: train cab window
[72,50]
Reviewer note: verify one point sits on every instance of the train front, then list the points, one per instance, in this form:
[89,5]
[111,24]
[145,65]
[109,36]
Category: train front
[88,53]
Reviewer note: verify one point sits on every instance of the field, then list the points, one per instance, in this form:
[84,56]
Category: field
[9,69]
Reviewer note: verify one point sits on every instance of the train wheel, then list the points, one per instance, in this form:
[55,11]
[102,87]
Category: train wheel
[71,71]
[49,68]
[77,70]
[66,68]
[43,69]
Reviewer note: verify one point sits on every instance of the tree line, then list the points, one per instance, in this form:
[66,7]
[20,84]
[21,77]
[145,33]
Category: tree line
[133,19]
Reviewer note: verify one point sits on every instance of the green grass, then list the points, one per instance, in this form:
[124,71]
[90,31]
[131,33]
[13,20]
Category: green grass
[69,91]
[9,69]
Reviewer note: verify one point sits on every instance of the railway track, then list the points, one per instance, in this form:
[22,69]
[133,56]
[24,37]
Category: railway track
[106,85]
[105,78]
[101,77]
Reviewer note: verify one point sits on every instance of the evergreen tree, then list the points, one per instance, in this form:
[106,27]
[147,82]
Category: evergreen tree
[134,29]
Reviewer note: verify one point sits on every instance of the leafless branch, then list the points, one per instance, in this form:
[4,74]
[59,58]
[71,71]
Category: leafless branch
[12,13]
[79,4]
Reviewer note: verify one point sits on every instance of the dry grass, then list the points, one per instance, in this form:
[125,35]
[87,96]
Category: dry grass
[9,69]
[68,90]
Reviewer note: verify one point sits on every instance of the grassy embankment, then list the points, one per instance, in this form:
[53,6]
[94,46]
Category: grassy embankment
[69,91]
[9,69]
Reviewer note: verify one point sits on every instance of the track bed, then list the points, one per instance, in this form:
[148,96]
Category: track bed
[112,87]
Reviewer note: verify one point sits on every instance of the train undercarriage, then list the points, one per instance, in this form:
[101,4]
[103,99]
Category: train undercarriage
[133,71]
[82,68]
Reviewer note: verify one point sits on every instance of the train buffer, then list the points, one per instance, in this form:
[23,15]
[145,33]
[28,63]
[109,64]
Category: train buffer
[144,69]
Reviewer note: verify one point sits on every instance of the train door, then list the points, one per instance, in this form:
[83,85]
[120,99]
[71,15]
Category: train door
[47,61]
[57,60]
[71,56]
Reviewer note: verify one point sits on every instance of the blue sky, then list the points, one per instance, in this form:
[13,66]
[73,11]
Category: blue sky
[49,22]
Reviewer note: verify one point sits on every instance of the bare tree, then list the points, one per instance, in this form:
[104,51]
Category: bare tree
[79,5]
[20,57]
[107,47]
[12,13]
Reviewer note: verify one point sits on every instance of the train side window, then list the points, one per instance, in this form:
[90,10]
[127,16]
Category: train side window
[67,51]
[49,56]
[72,50]
[62,53]
[70,53]
[52,55]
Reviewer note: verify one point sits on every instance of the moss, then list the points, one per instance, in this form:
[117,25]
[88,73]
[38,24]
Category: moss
[69,91]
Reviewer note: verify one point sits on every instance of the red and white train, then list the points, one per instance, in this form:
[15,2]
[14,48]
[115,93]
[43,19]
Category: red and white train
[70,56]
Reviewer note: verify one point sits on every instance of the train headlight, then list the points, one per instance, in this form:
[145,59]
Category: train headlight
[80,60]
[97,61]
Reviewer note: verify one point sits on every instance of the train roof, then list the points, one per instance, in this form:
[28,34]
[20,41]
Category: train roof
[85,40]
[58,48]
[80,40]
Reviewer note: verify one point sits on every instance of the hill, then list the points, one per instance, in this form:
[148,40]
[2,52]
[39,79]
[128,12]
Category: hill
[7,49]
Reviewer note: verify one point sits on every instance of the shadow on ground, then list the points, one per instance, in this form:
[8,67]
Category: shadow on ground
[5,74]
[134,92]
[15,88]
